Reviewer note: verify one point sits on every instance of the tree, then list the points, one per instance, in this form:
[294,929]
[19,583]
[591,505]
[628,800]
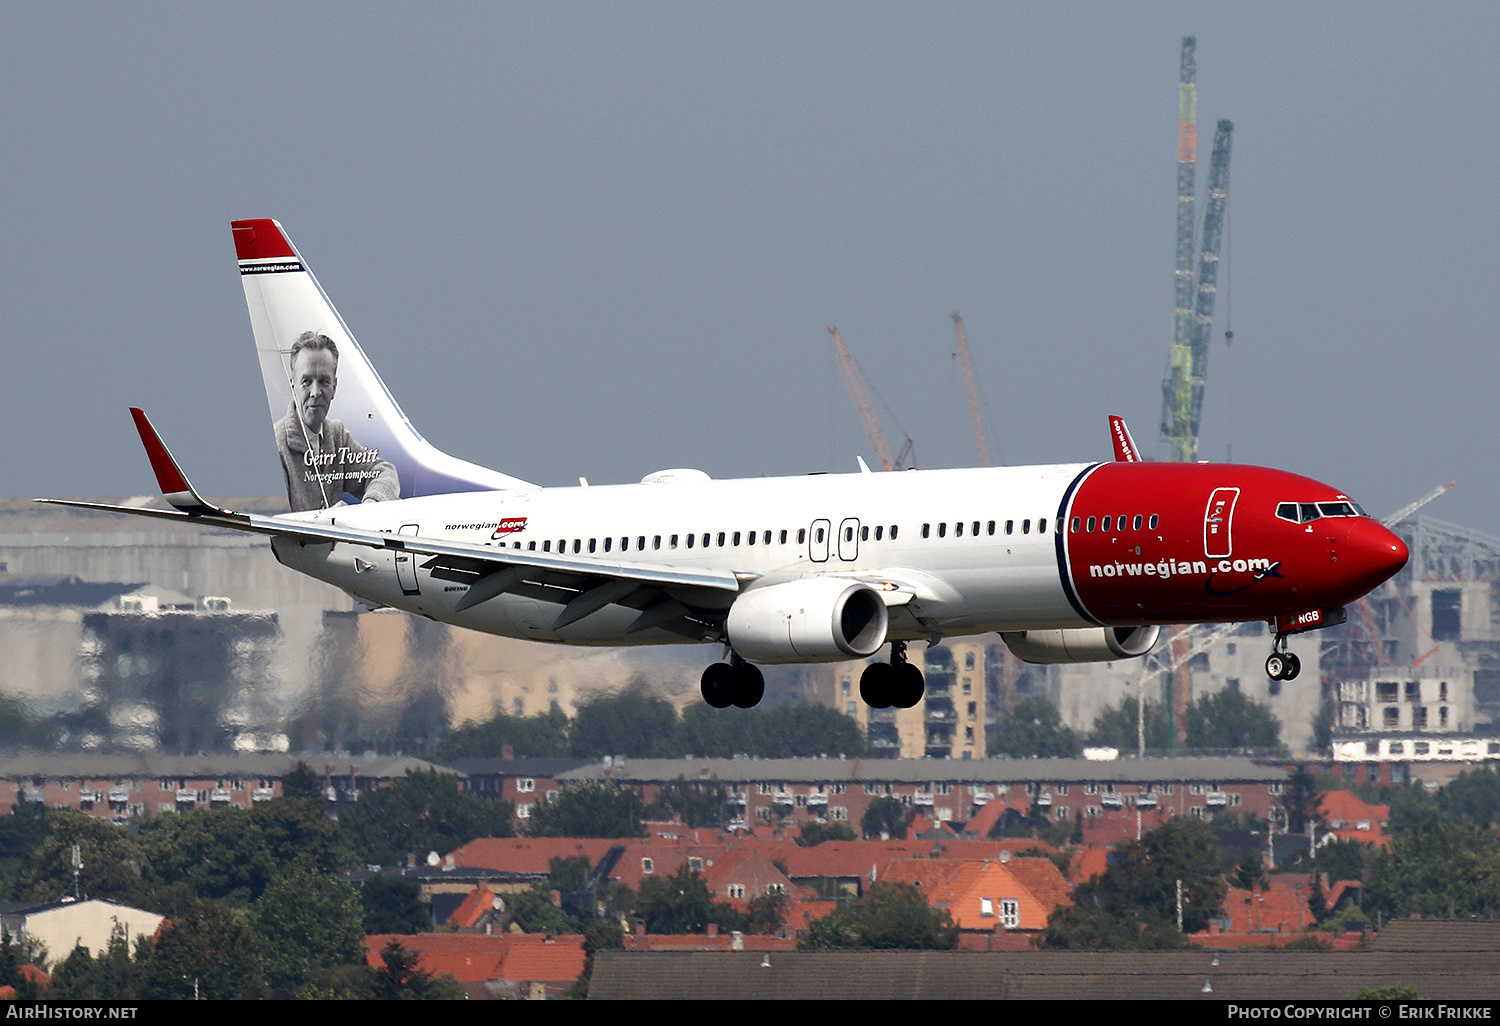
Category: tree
[694,804]
[108,853]
[298,831]
[308,921]
[1301,799]
[544,735]
[680,903]
[392,905]
[633,722]
[1034,728]
[402,978]
[1132,905]
[219,853]
[1116,726]
[421,812]
[302,782]
[890,915]
[205,952]
[814,833]
[590,810]
[886,817]
[1442,870]
[1228,719]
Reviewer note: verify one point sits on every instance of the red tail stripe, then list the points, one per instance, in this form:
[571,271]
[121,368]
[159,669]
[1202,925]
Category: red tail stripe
[260,239]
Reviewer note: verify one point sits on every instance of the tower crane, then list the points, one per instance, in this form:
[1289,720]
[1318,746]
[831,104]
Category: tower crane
[971,389]
[855,381]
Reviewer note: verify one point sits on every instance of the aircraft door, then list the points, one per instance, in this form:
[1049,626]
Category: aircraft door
[849,540]
[817,541]
[1218,520]
[406,567]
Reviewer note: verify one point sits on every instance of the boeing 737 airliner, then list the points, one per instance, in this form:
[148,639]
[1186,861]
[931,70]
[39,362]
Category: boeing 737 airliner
[1069,563]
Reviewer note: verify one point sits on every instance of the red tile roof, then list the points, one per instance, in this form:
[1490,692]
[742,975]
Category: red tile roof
[476,958]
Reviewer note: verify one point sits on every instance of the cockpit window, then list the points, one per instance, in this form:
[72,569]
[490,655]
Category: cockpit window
[1307,512]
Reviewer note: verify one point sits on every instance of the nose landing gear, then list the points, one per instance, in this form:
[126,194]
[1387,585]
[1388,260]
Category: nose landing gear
[1281,664]
[896,683]
[736,683]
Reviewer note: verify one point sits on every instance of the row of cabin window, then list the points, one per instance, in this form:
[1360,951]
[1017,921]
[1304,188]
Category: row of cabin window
[730,538]
[989,528]
[1123,523]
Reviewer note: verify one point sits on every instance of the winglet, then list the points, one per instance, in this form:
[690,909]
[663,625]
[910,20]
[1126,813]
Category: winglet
[173,482]
[1119,434]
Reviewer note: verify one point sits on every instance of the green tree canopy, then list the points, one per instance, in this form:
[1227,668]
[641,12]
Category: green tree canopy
[307,921]
[1132,904]
[544,735]
[632,722]
[421,812]
[890,915]
[680,903]
[393,905]
[1229,719]
[1442,870]
[590,810]
[1116,726]
[1034,728]
[887,817]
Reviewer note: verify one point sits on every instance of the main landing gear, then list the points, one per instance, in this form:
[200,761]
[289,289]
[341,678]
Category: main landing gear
[1281,664]
[896,683]
[736,683]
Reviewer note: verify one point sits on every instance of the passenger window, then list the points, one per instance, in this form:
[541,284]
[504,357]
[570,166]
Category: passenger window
[736,538]
[801,535]
[1137,524]
[879,529]
[958,529]
[848,534]
[690,539]
[705,539]
[640,543]
[1041,525]
[656,542]
[591,544]
[767,539]
[864,534]
[783,537]
[606,544]
[547,546]
[1154,521]
[942,530]
[1074,525]
[577,545]
[721,539]
[1010,527]
[893,532]
[1026,527]
[992,527]
[750,537]
[531,546]
[926,530]
[819,536]
[1104,526]
[975,532]
[1091,525]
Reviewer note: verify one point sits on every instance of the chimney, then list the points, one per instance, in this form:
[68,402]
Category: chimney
[508,753]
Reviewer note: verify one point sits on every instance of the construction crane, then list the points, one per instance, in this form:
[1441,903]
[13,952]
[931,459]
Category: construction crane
[1177,388]
[855,381]
[971,389]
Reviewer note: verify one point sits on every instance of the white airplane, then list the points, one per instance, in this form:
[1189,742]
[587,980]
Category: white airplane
[1069,563]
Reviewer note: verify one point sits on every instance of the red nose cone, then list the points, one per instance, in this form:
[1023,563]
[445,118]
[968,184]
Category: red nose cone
[1375,554]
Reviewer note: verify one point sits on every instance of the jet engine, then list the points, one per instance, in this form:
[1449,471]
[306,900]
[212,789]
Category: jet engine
[816,619]
[1081,644]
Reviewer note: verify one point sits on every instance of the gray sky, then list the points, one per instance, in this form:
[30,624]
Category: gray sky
[604,239]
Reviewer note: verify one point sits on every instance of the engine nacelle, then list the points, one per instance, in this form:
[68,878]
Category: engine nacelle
[814,620]
[1081,644]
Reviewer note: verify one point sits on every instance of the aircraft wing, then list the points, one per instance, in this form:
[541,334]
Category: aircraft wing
[584,584]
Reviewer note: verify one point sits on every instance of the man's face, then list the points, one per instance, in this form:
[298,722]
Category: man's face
[314,376]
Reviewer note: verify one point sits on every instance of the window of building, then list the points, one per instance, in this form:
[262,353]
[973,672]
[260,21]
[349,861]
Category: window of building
[525,785]
[1010,913]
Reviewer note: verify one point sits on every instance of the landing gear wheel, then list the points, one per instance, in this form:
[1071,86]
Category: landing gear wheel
[750,687]
[1293,667]
[1277,663]
[718,685]
[878,685]
[909,686]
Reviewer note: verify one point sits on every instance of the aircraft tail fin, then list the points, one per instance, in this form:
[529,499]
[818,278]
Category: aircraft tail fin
[1119,435]
[340,434]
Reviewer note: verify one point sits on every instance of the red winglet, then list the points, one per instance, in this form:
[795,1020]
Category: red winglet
[168,477]
[260,239]
[1119,434]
